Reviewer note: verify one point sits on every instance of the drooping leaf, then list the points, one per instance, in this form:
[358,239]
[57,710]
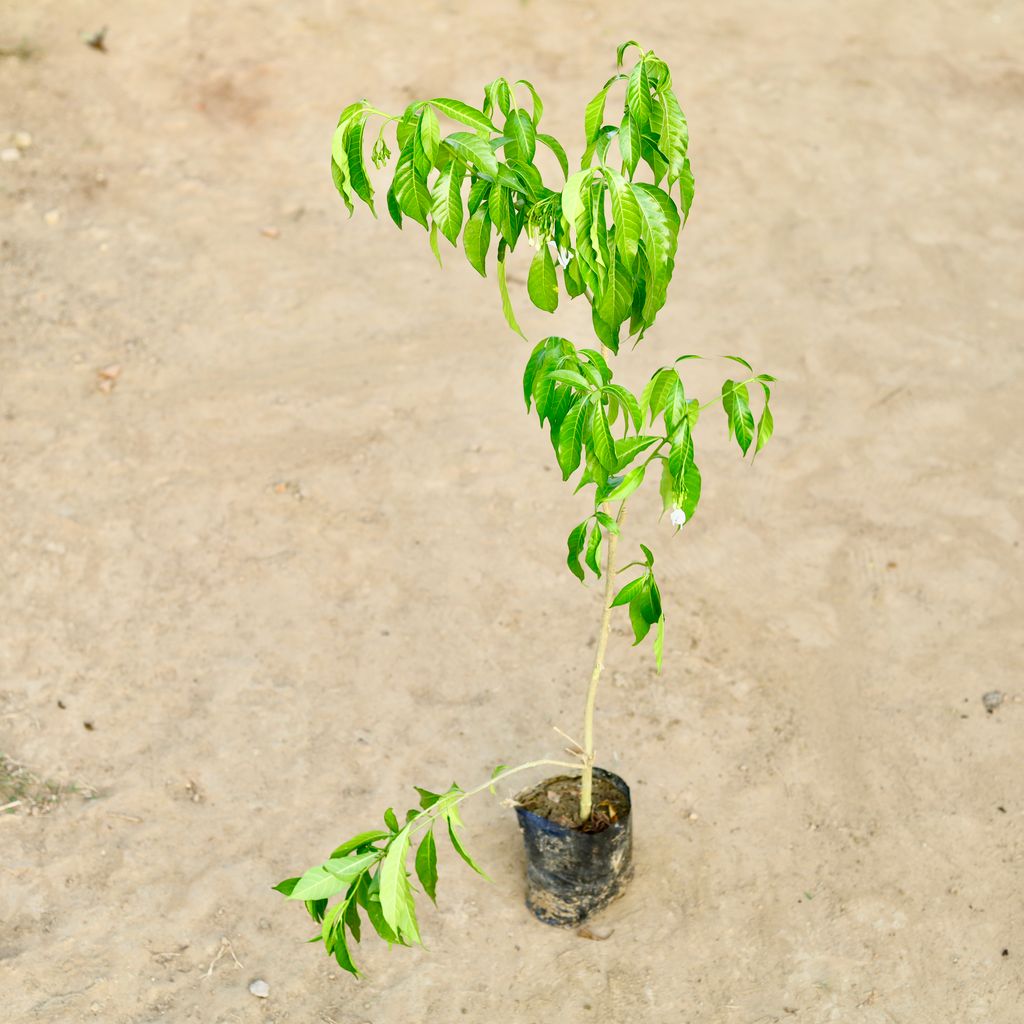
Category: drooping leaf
[659,642]
[576,540]
[601,437]
[457,843]
[477,238]
[765,428]
[593,556]
[446,199]
[621,50]
[570,438]
[556,147]
[396,899]
[428,140]
[426,864]
[520,129]
[538,106]
[629,143]
[356,165]
[542,282]
[638,95]
[506,301]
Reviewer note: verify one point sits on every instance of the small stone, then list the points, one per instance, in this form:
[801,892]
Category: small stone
[10,154]
[270,232]
[992,700]
[22,140]
[692,815]
[259,988]
[52,217]
[595,932]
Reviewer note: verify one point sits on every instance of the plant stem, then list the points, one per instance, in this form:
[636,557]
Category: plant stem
[429,816]
[587,781]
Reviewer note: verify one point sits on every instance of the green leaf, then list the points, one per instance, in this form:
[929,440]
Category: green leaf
[627,448]
[538,106]
[659,642]
[396,899]
[428,140]
[457,844]
[638,95]
[765,428]
[593,117]
[464,114]
[542,283]
[446,199]
[427,799]
[474,150]
[410,189]
[626,213]
[629,142]
[686,189]
[391,820]
[356,166]
[556,147]
[607,522]
[570,438]
[363,839]
[626,594]
[569,377]
[520,129]
[599,361]
[601,439]
[368,896]
[506,301]
[630,482]
[740,360]
[339,170]
[477,238]
[593,556]
[659,228]
[629,403]
[321,883]
[656,394]
[623,47]
[433,243]
[426,864]
[647,554]
[735,400]
[393,208]
[286,887]
[576,539]
[499,770]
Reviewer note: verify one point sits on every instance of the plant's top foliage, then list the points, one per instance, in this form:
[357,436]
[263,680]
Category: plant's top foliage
[612,236]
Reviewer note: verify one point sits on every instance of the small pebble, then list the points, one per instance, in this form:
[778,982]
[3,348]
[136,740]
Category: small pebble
[10,154]
[259,988]
[596,932]
[22,140]
[992,700]
[270,232]
[52,217]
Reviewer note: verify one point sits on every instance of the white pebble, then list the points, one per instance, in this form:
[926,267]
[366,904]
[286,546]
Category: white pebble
[22,140]
[10,154]
[52,217]
[259,988]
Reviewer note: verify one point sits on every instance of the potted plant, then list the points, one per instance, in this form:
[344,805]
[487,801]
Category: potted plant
[610,237]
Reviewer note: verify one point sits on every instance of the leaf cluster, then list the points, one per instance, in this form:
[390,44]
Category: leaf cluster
[370,875]
[610,236]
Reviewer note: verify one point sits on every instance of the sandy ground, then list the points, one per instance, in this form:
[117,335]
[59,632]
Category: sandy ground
[306,550]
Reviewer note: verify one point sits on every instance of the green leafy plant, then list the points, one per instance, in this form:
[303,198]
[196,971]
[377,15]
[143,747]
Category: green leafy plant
[611,238]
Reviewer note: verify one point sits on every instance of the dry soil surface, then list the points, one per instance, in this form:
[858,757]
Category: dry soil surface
[303,549]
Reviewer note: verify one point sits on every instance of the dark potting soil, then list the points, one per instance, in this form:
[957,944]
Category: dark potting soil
[558,800]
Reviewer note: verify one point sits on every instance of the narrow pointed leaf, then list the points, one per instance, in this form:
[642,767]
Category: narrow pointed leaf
[542,282]
[464,114]
[426,864]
